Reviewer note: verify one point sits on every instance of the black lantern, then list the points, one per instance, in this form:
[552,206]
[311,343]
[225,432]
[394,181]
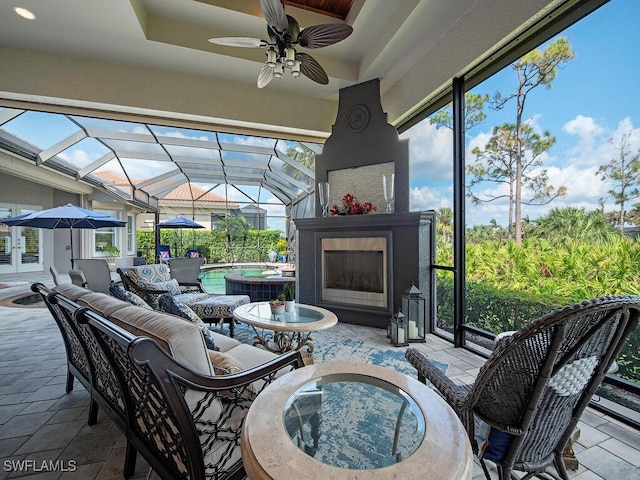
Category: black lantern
[399,333]
[413,306]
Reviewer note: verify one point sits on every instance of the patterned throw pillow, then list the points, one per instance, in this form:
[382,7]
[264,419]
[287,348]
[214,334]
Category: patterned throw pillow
[167,303]
[172,286]
[118,291]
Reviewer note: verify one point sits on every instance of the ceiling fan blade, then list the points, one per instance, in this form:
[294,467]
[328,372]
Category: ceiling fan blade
[265,76]
[317,36]
[274,15]
[239,42]
[309,67]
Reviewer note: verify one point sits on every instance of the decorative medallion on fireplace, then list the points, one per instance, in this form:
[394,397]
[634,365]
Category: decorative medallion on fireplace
[354,271]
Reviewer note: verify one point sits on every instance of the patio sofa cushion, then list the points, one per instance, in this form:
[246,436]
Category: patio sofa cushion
[182,340]
[102,304]
[224,342]
[71,291]
[250,356]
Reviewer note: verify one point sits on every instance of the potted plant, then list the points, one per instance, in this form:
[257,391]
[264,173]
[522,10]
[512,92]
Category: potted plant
[289,292]
[112,252]
[277,306]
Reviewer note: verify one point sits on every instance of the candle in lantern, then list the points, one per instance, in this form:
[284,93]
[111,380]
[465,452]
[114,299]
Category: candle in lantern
[413,329]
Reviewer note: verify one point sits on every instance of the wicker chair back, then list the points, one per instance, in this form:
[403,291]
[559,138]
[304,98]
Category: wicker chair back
[538,381]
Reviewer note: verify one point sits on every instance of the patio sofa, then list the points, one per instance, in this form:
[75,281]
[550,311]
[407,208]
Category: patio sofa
[179,404]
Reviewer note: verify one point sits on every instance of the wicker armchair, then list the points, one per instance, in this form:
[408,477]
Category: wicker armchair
[151,281]
[535,385]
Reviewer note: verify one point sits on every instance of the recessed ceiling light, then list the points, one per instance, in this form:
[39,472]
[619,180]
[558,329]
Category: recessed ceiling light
[24,13]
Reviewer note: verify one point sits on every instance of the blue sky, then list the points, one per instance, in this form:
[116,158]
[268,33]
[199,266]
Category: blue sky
[592,100]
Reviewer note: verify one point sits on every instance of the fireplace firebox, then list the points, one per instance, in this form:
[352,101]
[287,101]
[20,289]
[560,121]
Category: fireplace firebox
[354,271]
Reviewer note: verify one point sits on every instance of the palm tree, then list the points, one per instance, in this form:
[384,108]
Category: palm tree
[570,224]
[237,229]
[444,218]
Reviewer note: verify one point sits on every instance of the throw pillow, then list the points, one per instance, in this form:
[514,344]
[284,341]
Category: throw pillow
[118,291]
[172,286]
[492,443]
[224,364]
[167,303]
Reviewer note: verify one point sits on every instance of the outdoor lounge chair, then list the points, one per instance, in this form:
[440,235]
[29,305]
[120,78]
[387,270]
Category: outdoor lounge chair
[530,393]
[186,271]
[150,282]
[77,277]
[55,275]
[96,273]
[164,253]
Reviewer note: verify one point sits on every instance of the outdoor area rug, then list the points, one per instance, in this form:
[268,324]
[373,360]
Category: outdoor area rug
[334,347]
[364,440]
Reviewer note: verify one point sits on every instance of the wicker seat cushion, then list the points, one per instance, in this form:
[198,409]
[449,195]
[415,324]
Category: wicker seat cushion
[190,298]
[182,340]
[155,273]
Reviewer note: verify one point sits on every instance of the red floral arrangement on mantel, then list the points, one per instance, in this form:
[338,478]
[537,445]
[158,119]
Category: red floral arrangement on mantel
[350,206]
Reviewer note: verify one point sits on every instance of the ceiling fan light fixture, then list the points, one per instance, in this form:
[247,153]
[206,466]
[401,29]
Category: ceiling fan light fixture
[278,71]
[295,70]
[290,57]
[271,58]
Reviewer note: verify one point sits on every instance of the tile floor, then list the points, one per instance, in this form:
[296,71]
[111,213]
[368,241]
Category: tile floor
[44,434]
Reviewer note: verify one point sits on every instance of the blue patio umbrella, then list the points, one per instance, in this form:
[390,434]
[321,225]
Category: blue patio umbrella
[179,222]
[65,216]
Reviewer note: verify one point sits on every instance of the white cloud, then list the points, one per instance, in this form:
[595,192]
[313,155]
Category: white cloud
[430,151]
[426,198]
[592,147]
[79,158]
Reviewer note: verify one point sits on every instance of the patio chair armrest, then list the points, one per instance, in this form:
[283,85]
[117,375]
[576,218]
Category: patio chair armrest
[192,287]
[454,394]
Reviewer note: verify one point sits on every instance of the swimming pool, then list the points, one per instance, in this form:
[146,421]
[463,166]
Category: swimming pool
[213,280]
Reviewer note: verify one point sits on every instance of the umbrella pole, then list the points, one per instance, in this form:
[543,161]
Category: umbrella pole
[71,242]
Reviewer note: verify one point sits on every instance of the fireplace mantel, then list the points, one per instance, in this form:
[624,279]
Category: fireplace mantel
[410,256]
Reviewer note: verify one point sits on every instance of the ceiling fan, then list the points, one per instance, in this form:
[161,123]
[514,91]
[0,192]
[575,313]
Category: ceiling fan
[284,36]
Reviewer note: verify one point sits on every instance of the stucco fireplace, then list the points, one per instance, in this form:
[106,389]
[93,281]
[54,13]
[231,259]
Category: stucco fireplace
[358,266]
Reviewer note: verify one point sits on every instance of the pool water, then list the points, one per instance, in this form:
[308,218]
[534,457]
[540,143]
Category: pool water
[213,280]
